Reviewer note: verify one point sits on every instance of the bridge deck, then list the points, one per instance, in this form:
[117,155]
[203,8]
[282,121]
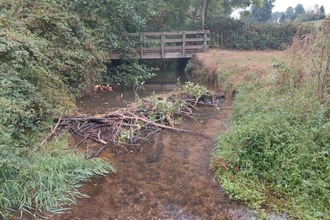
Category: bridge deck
[157,45]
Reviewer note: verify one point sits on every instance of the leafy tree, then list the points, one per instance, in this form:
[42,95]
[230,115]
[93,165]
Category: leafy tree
[282,19]
[322,12]
[276,16]
[175,15]
[289,13]
[262,14]
[299,9]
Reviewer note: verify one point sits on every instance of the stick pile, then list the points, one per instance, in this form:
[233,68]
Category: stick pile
[125,129]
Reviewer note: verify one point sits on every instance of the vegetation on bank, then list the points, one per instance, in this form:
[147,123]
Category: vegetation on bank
[229,33]
[50,53]
[42,180]
[276,154]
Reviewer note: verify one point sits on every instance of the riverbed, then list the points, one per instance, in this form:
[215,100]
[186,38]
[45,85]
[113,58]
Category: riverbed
[177,184]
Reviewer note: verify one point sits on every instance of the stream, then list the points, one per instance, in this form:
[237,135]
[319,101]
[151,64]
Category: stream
[177,184]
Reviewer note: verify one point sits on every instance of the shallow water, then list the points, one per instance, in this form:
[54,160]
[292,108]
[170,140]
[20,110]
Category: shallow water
[176,184]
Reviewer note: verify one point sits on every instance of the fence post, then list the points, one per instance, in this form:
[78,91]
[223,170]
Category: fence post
[205,40]
[183,44]
[163,44]
[141,47]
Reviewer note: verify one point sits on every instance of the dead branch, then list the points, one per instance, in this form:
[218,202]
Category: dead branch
[126,129]
[52,132]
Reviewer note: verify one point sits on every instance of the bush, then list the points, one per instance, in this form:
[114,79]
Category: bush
[228,33]
[279,142]
[48,56]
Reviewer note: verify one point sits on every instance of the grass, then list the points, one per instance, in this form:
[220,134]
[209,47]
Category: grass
[238,66]
[277,148]
[44,180]
[317,23]
[275,158]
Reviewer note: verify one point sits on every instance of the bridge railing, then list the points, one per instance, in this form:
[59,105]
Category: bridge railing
[180,44]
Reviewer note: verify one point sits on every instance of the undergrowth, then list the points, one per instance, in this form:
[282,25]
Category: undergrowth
[43,179]
[50,53]
[276,155]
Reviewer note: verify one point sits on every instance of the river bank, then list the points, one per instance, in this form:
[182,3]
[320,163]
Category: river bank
[225,70]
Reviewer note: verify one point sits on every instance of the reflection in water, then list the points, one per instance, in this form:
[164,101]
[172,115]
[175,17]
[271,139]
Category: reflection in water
[103,102]
[177,185]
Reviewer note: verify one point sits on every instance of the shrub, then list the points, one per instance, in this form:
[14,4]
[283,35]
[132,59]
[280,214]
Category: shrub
[228,33]
[279,142]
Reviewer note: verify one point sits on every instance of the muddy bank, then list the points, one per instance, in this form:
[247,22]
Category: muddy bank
[178,184]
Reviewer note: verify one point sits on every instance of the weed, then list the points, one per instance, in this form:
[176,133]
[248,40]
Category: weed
[277,152]
[37,180]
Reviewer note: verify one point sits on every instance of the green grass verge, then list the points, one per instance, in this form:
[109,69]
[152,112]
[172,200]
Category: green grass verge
[276,155]
[44,179]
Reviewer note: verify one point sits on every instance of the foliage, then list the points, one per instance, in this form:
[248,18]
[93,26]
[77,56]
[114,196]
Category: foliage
[299,9]
[173,15]
[290,13]
[163,109]
[298,14]
[228,33]
[278,144]
[130,72]
[37,180]
[50,53]
[262,14]
[194,89]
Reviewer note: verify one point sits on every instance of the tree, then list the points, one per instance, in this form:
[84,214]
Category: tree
[186,14]
[299,9]
[203,13]
[262,14]
[322,13]
[282,19]
[289,13]
[276,16]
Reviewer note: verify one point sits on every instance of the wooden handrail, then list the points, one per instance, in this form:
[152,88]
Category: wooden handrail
[177,44]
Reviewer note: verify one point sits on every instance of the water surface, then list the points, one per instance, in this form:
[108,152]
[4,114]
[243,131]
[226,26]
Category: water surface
[177,184]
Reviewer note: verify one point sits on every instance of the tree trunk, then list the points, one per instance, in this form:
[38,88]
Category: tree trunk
[203,13]
[196,10]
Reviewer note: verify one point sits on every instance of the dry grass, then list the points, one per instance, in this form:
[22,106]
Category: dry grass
[238,65]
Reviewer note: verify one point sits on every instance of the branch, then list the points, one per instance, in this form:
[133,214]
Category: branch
[52,132]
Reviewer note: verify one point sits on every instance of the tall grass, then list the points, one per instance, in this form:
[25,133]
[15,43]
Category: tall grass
[43,180]
[277,152]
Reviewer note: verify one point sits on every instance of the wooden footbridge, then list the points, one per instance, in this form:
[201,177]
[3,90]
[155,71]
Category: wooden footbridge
[159,45]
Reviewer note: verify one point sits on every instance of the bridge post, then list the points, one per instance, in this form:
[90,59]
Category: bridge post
[141,47]
[163,45]
[205,41]
[183,44]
